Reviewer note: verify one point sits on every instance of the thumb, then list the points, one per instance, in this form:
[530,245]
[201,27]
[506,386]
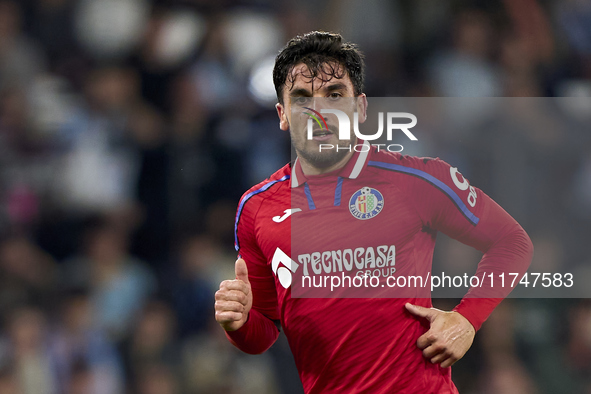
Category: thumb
[427,313]
[241,271]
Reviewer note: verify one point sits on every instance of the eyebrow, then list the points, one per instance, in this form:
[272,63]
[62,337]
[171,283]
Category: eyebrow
[300,92]
[336,86]
[306,93]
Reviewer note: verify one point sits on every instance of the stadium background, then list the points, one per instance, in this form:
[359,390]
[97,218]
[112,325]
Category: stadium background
[130,128]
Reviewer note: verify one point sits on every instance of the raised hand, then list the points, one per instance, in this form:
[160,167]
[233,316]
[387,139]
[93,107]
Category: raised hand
[234,299]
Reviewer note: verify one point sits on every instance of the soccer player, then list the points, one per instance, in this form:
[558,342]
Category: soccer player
[358,201]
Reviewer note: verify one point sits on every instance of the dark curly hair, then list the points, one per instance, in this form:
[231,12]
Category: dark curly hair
[325,54]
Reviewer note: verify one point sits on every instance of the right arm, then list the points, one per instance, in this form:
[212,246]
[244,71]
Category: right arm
[248,329]
[246,307]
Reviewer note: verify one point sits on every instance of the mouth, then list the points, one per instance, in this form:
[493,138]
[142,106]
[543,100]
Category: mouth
[321,134]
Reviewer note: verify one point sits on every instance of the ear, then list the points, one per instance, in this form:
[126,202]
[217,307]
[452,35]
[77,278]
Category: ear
[282,113]
[362,107]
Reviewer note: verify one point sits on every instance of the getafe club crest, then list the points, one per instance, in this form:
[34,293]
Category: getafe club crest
[366,203]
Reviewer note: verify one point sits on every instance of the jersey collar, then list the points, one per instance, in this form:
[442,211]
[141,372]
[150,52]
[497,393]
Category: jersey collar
[351,170]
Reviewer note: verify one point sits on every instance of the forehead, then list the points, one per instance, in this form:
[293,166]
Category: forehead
[302,76]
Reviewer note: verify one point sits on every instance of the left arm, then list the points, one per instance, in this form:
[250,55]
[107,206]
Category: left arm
[467,214]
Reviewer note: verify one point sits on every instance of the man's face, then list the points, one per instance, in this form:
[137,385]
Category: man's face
[306,96]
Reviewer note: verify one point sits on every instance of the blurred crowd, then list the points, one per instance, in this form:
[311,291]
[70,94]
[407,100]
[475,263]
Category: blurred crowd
[130,128]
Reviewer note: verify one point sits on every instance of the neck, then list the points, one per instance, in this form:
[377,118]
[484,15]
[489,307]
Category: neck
[309,169]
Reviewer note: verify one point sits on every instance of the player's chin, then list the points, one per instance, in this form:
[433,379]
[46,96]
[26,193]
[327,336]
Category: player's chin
[323,158]
[327,145]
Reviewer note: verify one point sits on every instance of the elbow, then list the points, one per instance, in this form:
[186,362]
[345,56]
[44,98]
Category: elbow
[524,247]
[530,246]
[253,348]
[253,341]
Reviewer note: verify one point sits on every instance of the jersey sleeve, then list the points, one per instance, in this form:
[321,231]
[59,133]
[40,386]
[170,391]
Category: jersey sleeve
[447,202]
[260,330]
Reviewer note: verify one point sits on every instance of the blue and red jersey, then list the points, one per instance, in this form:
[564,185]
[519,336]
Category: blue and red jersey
[382,212]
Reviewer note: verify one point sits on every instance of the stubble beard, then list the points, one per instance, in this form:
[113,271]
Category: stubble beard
[310,152]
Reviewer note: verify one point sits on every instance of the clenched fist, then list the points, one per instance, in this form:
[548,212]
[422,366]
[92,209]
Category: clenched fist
[234,299]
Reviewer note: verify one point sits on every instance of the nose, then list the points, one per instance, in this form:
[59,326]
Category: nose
[320,102]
